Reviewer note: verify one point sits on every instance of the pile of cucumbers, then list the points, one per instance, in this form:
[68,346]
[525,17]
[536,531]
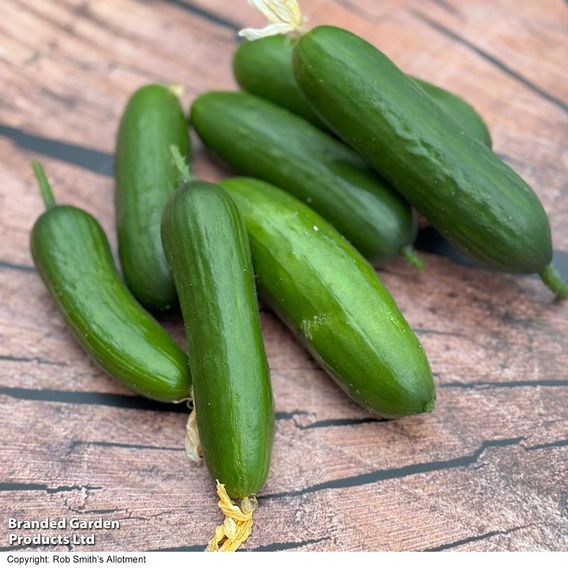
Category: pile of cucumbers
[340,148]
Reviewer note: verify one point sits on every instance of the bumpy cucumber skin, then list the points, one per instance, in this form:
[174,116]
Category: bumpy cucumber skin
[263,140]
[332,299]
[73,257]
[460,111]
[207,248]
[475,200]
[145,178]
[264,68]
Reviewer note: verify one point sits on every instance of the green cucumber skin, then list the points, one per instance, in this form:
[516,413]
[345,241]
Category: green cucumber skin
[475,200]
[73,257]
[459,110]
[145,178]
[264,68]
[207,248]
[265,141]
[332,299]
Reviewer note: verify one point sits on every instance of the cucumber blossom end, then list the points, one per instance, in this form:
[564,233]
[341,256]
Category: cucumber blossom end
[554,281]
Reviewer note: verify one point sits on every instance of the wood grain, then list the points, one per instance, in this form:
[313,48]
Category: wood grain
[487,471]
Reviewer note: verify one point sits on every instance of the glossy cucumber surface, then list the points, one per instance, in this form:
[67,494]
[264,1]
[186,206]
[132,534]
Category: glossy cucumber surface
[459,110]
[475,200]
[207,248]
[264,68]
[145,178]
[332,299]
[263,140]
[72,255]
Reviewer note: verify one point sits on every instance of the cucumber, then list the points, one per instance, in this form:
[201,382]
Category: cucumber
[207,249]
[145,178]
[469,195]
[265,141]
[73,257]
[332,299]
[264,68]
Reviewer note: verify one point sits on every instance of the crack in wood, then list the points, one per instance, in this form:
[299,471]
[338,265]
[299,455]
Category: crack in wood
[497,63]
[75,443]
[506,385]
[446,6]
[205,14]
[279,546]
[273,547]
[359,11]
[14,266]
[188,548]
[92,398]
[81,156]
[469,539]
[336,422]
[13,486]
[398,473]
[426,332]
[291,414]
[38,360]
[548,445]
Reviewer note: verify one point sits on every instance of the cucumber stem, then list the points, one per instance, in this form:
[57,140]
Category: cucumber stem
[184,171]
[44,186]
[412,258]
[554,281]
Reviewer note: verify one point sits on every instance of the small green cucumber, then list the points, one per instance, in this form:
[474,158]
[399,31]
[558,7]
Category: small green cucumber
[264,68]
[208,251]
[73,257]
[332,299]
[468,194]
[263,140]
[145,179]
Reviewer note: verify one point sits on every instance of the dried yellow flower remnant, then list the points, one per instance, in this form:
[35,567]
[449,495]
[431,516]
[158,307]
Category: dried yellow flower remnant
[236,527]
[284,16]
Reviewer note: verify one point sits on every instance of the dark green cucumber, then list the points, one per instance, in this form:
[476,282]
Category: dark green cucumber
[332,299]
[475,200]
[145,179]
[207,248]
[263,140]
[264,68]
[73,257]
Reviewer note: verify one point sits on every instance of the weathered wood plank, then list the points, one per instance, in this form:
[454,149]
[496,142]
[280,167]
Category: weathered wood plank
[486,471]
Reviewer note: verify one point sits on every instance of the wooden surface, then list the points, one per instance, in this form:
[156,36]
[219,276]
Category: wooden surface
[488,470]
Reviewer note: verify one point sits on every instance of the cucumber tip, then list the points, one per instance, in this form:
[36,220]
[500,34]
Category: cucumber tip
[430,405]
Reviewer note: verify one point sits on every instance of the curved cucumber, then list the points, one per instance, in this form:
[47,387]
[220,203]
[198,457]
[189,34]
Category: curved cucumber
[475,200]
[145,178]
[264,68]
[207,248]
[263,140]
[332,299]
[72,255]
